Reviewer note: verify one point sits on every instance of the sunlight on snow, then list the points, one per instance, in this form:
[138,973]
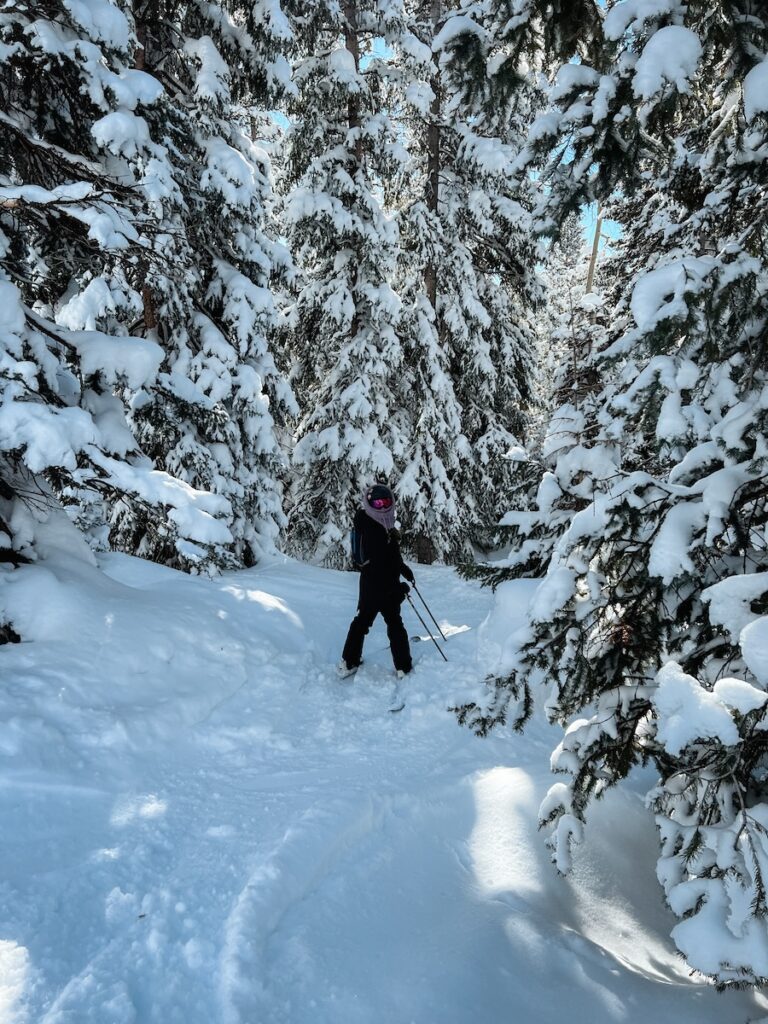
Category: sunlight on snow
[268,602]
[14,975]
[107,853]
[499,844]
[149,806]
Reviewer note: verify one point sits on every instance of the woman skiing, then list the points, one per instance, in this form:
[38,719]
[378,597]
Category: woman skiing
[381,566]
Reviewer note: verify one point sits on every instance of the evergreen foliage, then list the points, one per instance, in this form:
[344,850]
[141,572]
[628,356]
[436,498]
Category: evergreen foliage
[467,273]
[651,620]
[133,208]
[342,326]
[76,238]
[212,417]
[554,477]
[143,364]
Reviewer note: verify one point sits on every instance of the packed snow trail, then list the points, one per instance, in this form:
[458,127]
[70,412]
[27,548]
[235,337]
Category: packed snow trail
[203,824]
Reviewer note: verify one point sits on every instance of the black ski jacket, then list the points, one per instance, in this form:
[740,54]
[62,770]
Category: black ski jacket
[383,565]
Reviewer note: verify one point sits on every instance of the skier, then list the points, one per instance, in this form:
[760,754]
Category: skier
[381,566]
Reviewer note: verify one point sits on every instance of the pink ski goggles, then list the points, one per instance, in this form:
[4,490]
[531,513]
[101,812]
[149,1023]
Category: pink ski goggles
[380,498]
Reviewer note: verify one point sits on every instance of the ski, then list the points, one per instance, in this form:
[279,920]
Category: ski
[344,673]
[396,702]
[450,632]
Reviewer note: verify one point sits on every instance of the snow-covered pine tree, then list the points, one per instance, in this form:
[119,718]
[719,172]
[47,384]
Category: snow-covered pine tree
[74,235]
[561,467]
[468,278]
[651,621]
[577,461]
[211,417]
[566,462]
[342,326]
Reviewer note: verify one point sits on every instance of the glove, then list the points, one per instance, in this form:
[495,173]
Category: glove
[408,573]
[404,591]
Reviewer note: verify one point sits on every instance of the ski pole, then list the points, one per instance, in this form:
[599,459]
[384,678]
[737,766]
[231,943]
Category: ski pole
[442,634]
[421,620]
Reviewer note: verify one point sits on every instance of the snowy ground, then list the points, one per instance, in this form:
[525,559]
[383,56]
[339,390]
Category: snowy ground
[202,824]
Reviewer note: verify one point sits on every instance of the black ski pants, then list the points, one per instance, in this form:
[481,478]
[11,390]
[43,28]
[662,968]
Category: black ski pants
[369,606]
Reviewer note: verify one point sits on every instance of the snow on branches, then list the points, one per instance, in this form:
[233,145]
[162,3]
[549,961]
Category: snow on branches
[650,630]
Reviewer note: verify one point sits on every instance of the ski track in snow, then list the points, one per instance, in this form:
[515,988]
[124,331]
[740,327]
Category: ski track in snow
[203,824]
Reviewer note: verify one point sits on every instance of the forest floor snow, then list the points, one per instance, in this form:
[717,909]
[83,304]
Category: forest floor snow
[203,825]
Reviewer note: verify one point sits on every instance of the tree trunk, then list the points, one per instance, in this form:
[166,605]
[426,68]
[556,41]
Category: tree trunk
[595,249]
[150,316]
[140,64]
[423,546]
[433,160]
[352,43]
[140,57]
[424,549]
